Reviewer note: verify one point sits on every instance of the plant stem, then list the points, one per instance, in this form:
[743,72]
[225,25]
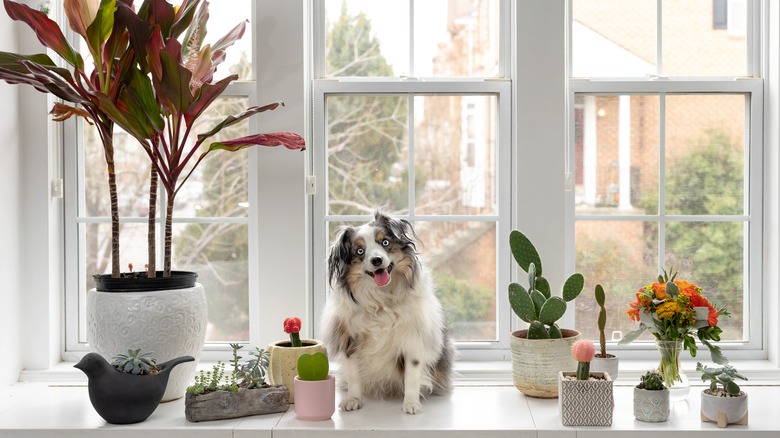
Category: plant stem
[168,236]
[583,370]
[295,338]
[151,272]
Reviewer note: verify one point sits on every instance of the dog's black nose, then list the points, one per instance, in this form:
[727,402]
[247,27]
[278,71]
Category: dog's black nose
[376,261]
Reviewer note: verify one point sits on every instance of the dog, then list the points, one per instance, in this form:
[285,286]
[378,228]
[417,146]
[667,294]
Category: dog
[382,321]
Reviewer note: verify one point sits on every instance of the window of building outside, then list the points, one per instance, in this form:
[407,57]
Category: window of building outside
[411,115]
[667,143]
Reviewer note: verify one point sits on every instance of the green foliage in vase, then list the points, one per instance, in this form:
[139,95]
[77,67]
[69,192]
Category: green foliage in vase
[721,377]
[536,305]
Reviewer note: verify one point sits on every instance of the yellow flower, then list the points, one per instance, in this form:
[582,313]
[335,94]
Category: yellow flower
[667,309]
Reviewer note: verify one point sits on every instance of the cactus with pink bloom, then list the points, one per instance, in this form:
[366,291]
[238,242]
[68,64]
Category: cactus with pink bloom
[583,351]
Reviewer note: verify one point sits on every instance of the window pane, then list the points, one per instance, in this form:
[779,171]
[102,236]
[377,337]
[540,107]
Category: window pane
[456,38]
[132,175]
[366,38]
[616,154]
[368,154]
[451,38]
[218,187]
[695,45]
[712,256]
[224,15]
[622,257]
[218,252]
[705,154]
[454,154]
[613,38]
[462,256]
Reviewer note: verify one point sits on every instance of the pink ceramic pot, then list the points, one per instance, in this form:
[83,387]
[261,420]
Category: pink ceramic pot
[315,400]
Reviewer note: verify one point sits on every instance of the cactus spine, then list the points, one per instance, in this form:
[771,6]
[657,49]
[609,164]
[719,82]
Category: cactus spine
[602,321]
[536,305]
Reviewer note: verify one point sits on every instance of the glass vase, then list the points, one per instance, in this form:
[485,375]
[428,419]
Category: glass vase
[674,376]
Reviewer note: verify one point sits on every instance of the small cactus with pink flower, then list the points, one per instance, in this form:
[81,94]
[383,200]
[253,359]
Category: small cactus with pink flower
[292,326]
[583,351]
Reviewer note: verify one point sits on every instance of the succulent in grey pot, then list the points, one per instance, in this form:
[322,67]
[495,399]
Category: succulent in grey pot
[651,398]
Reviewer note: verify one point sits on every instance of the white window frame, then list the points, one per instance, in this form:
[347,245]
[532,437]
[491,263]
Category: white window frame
[537,128]
[752,87]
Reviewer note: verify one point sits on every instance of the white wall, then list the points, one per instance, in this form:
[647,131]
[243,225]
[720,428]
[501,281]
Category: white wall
[10,219]
[280,77]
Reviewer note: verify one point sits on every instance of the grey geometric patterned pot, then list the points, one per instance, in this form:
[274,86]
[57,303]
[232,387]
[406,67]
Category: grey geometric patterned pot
[651,406]
[585,402]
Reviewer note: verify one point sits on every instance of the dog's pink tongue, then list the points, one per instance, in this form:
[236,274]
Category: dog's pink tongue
[381,277]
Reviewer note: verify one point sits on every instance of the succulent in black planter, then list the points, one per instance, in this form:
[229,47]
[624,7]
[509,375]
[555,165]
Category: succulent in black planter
[129,389]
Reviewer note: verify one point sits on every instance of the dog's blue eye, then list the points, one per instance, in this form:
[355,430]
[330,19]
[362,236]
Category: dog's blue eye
[361,251]
[385,242]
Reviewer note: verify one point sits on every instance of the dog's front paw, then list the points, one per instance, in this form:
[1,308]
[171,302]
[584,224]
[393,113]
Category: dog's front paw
[412,407]
[351,404]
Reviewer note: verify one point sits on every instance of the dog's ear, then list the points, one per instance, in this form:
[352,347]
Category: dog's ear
[340,254]
[400,229]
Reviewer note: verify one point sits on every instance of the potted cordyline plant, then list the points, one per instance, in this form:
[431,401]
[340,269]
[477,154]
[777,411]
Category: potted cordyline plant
[154,87]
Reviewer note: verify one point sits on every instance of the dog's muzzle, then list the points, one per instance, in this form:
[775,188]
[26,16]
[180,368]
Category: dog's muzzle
[381,276]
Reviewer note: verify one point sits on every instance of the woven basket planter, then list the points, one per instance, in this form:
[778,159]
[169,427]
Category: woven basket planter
[585,402]
[536,362]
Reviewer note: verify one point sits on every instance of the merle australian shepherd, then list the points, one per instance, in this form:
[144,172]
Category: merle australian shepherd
[382,321]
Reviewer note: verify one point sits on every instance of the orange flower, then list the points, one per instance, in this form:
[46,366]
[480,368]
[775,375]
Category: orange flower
[633,314]
[712,317]
[687,287]
[698,300]
[660,290]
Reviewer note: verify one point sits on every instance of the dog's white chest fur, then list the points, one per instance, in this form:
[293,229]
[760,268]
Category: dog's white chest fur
[382,321]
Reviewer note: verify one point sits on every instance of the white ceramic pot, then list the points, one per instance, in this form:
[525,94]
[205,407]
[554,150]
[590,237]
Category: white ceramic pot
[537,362]
[283,361]
[651,406]
[724,410]
[170,323]
[607,364]
[315,399]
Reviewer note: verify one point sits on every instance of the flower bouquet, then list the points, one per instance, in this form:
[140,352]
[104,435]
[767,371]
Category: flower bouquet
[677,314]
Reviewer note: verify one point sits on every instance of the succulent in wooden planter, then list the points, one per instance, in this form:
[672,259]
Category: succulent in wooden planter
[217,394]
[723,402]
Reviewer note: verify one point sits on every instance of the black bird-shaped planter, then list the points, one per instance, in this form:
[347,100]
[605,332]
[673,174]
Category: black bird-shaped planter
[123,398]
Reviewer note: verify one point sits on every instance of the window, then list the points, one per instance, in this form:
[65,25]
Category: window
[212,214]
[411,114]
[667,155]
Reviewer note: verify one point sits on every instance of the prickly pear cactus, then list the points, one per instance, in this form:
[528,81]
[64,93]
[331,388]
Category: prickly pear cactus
[536,305]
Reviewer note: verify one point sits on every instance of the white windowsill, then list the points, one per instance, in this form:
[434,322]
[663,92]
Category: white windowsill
[64,411]
[473,373]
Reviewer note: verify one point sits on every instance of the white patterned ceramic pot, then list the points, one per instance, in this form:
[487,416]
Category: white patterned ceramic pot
[169,323]
[609,365]
[283,361]
[537,362]
[585,402]
[651,406]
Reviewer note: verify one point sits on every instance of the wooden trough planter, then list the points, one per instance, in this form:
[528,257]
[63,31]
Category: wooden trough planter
[220,405]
